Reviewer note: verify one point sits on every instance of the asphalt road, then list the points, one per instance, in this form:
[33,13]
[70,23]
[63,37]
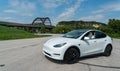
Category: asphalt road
[26,55]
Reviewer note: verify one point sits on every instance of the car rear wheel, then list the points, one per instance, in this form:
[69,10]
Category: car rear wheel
[108,50]
[71,56]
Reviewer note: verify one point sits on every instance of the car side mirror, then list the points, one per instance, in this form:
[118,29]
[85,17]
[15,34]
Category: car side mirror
[86,38]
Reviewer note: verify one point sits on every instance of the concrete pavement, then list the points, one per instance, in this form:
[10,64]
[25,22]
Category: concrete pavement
[26,55]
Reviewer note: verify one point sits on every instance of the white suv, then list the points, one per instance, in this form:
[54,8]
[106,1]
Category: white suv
[78,43]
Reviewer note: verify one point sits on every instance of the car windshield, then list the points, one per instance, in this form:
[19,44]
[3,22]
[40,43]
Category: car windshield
[74,34]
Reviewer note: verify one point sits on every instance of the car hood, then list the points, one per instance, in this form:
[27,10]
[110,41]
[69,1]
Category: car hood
[57,40]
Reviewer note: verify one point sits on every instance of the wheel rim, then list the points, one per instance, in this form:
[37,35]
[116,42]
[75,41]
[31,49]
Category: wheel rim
[72,56]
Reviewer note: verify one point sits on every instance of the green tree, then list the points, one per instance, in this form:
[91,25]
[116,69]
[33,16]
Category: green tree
[114,24]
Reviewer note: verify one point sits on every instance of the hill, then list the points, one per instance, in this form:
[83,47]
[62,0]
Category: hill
[81,24]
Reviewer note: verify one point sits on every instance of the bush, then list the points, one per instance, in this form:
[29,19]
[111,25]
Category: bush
[43,30]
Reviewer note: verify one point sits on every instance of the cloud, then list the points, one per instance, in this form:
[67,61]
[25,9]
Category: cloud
[4,18]
[98,17]
[21,7]
[11,19]
[27,14]
[7,18]
[114,6]
[19,11]
[22,4]
[98,11]
[68,12]
[10,11]
[53,3]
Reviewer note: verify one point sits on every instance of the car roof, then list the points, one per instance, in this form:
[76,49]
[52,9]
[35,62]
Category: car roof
[85,30]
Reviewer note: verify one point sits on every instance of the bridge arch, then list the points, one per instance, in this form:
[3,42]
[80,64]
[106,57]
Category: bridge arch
[43,21]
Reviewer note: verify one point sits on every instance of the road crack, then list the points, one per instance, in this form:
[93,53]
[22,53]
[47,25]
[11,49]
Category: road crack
[2,65]
[95,65]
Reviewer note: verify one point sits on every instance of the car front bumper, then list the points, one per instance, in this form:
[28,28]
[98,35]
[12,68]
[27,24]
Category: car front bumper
[54,53]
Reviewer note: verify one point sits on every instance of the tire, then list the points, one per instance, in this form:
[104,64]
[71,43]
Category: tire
[108,50]
[71,56]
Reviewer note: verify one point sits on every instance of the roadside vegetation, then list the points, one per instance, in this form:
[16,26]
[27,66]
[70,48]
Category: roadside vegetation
[7,33]
[112,28]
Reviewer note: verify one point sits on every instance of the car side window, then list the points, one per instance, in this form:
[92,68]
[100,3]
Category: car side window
[99,34]
[90,35]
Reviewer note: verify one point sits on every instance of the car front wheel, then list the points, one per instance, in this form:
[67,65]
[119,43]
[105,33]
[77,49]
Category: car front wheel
[108,50]
[71,56]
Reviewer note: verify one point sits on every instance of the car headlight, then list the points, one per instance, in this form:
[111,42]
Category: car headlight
[59,45]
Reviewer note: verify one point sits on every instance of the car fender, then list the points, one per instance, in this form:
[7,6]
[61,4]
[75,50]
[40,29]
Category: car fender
[109,42]
[68,47]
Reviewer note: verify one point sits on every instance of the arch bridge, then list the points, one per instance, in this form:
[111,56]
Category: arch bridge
[36,25]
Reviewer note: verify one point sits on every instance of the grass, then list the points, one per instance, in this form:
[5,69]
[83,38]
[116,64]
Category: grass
[7,33]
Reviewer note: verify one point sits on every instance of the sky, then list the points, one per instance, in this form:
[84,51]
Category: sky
[25,11]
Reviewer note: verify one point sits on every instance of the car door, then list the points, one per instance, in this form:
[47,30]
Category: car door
[88,46]
[101,40]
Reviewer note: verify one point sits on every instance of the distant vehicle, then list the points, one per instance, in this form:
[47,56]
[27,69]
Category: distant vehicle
[78,43]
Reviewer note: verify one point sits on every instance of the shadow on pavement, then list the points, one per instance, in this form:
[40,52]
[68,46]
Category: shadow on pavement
[84,63]
[55,61]
[81,58]
[90,57]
